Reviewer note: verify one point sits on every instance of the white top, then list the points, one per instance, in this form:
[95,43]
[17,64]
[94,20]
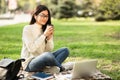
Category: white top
[34,42]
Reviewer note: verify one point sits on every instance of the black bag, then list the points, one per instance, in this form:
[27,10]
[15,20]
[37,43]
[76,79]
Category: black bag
[9,69]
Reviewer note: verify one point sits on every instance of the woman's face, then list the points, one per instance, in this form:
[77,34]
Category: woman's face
[42,17]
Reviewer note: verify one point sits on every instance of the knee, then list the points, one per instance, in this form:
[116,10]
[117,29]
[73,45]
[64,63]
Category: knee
[48,56]
[66,50]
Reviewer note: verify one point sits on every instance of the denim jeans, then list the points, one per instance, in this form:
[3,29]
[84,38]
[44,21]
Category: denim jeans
[48,59]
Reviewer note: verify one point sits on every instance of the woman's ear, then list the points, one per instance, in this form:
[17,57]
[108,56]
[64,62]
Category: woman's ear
[35,17]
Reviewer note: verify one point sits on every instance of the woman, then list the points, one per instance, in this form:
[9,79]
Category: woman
[38,42]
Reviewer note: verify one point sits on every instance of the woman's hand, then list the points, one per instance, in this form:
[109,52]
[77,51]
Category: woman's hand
[49,37]
[49,32]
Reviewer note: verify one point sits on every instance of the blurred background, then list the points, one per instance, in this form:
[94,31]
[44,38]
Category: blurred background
[101,10]
[89,28]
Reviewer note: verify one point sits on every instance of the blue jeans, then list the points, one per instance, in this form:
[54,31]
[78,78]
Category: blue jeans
[48,59]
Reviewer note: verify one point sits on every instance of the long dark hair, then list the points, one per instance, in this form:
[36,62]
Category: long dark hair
[39,9]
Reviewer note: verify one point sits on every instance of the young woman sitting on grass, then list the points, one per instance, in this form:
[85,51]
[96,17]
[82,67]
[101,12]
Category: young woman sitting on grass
[38,43]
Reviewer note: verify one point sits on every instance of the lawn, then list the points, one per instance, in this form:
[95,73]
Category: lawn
[86,39]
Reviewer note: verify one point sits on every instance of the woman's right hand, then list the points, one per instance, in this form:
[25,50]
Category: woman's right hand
[49,31]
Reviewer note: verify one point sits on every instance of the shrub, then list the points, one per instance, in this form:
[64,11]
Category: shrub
[100,18]
[116,17]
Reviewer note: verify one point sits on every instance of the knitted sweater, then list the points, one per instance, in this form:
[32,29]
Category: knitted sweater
[34,43]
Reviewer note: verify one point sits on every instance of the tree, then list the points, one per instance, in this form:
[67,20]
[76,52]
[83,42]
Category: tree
[26,5]
[66,9]
[110,9]
[61,8]
[3,6]
[88,7]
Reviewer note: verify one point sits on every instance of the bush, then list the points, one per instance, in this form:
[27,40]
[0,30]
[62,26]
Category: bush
[110,9]
[116,17]
[100,18]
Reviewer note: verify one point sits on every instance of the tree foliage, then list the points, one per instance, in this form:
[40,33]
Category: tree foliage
[26,5]
[62,8]
[110,9]
[66,9]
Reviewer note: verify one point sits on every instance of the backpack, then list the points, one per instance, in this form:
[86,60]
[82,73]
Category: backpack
[9,68]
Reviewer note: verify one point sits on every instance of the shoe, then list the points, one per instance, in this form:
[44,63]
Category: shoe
[62,69]
[68,65]
[52,69]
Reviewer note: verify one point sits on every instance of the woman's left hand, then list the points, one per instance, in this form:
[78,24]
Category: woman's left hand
[50,36]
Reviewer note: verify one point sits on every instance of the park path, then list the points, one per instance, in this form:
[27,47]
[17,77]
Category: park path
[18,18]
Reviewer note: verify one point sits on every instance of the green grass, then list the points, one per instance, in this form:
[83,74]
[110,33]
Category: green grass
[85,39]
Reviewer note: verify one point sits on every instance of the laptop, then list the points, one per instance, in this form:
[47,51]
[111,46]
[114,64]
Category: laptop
[84,68]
